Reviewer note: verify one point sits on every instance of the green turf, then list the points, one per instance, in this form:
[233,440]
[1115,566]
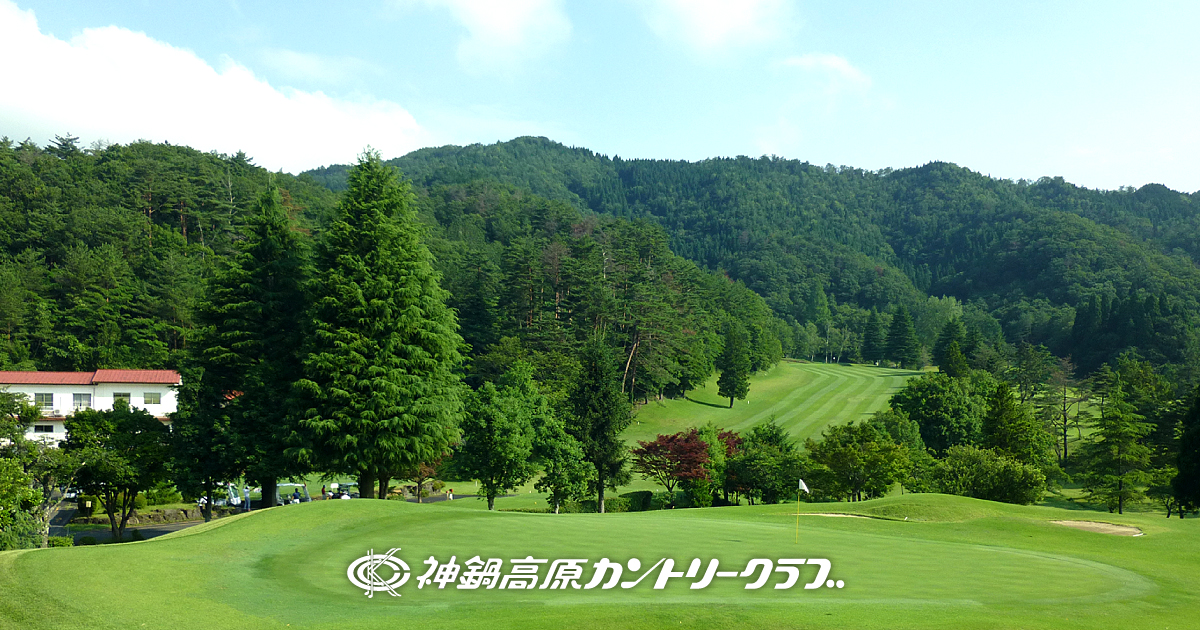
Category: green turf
[804,397]
[956,563]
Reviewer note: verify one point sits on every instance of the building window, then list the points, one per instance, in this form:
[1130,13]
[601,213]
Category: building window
[43,428]
[152,398]
[45,402]
[82,401]
[125,396]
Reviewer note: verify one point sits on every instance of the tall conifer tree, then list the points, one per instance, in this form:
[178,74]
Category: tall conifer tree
[380,394]
[599,413]
[234,412]
[872,348]
[902,344]
[734,363]
[1116,460]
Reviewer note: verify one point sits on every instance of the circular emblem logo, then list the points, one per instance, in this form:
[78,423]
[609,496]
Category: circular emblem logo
[364,573]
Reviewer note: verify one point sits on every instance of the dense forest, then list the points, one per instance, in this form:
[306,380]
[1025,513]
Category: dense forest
[104,253]
[1089,274]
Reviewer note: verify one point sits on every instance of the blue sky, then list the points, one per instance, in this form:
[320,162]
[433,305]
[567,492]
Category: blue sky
[1106,94]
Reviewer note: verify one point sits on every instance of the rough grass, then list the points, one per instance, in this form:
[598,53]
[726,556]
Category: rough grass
[956,563]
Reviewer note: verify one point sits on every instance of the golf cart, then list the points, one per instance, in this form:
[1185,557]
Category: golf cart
[349,488]
[288,492]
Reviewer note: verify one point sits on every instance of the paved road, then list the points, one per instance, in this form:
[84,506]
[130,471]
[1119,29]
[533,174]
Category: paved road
[148,531]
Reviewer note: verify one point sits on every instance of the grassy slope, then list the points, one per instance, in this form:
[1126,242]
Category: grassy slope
[957,563]
[804,397]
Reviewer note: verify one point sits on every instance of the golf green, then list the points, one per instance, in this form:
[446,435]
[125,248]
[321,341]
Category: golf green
[954,563]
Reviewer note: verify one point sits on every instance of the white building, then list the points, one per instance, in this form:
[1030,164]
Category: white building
[59,394]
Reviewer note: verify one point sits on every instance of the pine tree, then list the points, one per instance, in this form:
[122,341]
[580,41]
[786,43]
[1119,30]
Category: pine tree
[599,413]
[902,345]
[734,363]
[952,332]
[234,412]
[1115,460]
[1010,429]
[873,342]
[380,393]
[954,364]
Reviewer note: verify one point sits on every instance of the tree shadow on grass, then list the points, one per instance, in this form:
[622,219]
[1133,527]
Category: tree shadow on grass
[706,404]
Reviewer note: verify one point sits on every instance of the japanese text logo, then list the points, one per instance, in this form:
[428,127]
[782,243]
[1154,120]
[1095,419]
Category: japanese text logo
[544,574]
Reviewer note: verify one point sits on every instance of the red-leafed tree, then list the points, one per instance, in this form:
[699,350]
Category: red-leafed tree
[671,459]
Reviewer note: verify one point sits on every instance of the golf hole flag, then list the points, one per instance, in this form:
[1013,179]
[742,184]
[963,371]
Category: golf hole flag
[804,487]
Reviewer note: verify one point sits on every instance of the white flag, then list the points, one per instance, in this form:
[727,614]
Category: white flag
[804,487]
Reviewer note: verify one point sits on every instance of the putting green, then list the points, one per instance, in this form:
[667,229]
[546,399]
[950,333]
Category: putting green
[956,563]
[803,397]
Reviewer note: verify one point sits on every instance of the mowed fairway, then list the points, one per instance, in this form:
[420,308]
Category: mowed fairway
[956,563]
[803,397]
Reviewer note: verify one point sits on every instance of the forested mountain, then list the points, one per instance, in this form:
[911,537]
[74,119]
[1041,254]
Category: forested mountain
[104,254]
[824,245]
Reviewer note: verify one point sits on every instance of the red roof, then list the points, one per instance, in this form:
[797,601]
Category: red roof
[46,378]
[156,377]
[161,377]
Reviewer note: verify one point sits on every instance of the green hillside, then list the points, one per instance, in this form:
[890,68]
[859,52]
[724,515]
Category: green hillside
[955,563]
[803,397]
[1024,255]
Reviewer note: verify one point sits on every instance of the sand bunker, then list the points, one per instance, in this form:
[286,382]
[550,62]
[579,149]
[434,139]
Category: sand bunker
[1102,528]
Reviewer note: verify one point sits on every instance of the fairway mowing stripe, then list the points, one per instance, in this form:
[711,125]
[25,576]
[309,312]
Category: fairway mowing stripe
[818,380]
[818,415]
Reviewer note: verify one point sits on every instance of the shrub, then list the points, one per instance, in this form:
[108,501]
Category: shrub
[162,494]
[639,501]
[87,540]
[60,541]
[137,535]
[983,474]
[97,506]
[662,500]
[612,505]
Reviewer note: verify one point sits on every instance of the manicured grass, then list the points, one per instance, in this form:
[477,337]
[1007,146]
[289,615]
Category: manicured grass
[803,397]
[955,563]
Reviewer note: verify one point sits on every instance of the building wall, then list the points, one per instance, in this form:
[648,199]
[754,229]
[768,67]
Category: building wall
[102,399]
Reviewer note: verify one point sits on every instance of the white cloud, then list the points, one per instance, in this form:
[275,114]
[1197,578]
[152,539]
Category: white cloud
[119,85]
[839,74]
[503,34]
[710,25]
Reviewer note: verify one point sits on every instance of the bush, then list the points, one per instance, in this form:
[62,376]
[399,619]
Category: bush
[96,505]
[60,541]
[984,474]
[137,535]
[639,501]
[162,494]
[662,500]
[87,540]
[612,505]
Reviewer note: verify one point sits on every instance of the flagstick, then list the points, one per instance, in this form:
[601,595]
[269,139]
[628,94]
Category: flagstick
[797,516]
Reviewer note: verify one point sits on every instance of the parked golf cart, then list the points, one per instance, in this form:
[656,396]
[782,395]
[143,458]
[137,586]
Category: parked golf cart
[348,488]
[287,493]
